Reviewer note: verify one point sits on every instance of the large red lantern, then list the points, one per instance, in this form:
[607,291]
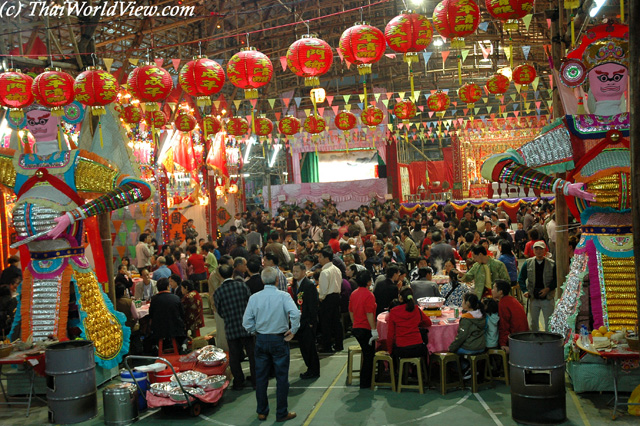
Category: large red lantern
[237,126]
[524,75]
[96,88]
[409,33]
[184,121]
[345,120]
[201,78]
[405,110]
[498,84]
[248,70]
[263,126]
[310,58]
[362,45]
[131,114]
[455,19]
[150,84]
[470,93]
[289,125]
[210,125]
[15,92]
[53,89]
[372,116]
[438,102]
[509,11]
[314,124]
[155,119]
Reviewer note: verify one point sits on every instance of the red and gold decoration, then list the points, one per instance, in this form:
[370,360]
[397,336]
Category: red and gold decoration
[362,45]
[455,19]
[470,93]
[509,11]
[131,114]
[156,119]
[314,124]
[289,125]
[524,75]
[237,126]
[498,84]
[438,102]
[150,84]
[310,58]
[409,33]
[185,121]
[372,116]
[210,125]
[405,110]
[201,78]
[15,92]
[262,126]
[345,120]
[249,70]
[96,88]
[53,89]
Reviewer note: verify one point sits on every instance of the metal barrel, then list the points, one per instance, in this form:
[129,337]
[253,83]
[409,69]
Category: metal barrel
[120,406]
[71,382]
[537,367]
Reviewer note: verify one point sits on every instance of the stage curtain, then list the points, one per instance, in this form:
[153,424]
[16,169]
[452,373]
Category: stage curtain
[309,172]
[417,175]
[441,171]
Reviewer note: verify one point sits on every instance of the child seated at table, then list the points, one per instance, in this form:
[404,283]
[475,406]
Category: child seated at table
[405,320]
[471,335]
[491,327]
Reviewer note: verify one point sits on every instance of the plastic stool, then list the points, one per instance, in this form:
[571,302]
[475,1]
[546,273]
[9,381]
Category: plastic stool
[175,347]
[516,292]
[442,359]
[487,378]
[505,364]
[383,356]
[419,363]
[353,350]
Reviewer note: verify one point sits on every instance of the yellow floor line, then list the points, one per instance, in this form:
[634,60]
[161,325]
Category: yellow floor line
[576,401]
[324,397]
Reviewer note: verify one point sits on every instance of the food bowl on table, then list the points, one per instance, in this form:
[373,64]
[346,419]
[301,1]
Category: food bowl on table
[179,396]
[440,279]
[212,382]
[431,302]
[435,321]
[451,320]
[163,388]
[212,359]
[5,350]
[189,378]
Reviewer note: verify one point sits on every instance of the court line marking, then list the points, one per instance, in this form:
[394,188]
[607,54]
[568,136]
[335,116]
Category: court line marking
[323,398]
[209,419]
[450,407]
[488,409]
[149,413]
[576,402]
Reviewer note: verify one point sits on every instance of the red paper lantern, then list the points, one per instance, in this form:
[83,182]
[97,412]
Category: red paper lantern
[237,126]
[314,124]
[509,11]
[362,45]
[310,58]
[150,84]
[372,116]
[53,89]
[524,75]
[409,33]
[498,84]
[345,120]
[439,102]
[248,70]
[210,125]
[263,126]
[131,114]
[156,119]
[15,92]
[201,78]
[96,88]
[405,110]
[185,122]
[289,125]
[455,19]
[470,93]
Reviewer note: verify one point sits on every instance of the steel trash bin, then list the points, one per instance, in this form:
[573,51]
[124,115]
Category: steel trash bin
[120,404]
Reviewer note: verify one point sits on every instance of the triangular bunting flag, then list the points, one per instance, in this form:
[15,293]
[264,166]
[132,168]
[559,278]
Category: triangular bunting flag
[176,64]
[237,104]
[535,82]
[134,62]
[286,102]
[329,99]
[483,26]
[297,100]
[335,109]
[527,20]
[390,55]
[159,62]
[464,53]
[283,62]
[272,102]
[525,51]
[426,56]
[346,98]
[445,55]
[107,63]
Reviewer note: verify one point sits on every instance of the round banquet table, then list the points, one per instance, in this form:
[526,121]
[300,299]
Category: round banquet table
[143,310]
[440,335]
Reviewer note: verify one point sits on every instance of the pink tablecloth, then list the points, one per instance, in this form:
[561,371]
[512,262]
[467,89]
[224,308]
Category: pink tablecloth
[440,335]
[143,311]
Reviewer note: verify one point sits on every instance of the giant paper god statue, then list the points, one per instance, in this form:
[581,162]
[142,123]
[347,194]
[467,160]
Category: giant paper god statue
[594,151]
[52,189]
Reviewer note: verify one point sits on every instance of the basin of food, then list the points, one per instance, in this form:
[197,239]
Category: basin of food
[431,302]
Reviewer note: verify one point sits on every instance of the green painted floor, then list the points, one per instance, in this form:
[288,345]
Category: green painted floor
[327,401]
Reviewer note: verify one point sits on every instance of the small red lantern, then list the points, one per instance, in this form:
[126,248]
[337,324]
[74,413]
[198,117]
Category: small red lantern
[362,45]
[509,11]
[155,119]
[15,92]
[405,110]
[237,126]
[185,122]
[289,125]
[524,75]
[372,116]
[439,102]
[498,84]
[455,19]
[310,58]
[150,84]
[409,33]
[314,124]
[248,70]
[470,93]
[233,188]
[96,88]
[345,120]
[210,125]
[201,78]
[131,114]
[53,89]
[263,126]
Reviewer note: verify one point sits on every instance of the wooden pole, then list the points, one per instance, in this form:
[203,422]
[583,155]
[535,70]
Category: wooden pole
[634,104]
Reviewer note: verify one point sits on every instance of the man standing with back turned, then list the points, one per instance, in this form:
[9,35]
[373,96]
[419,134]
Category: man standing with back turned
[267,315]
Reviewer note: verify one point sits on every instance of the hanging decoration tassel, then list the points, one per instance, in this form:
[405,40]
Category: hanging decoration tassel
[510,52]
[100,131]
[413,90]
[459,70]
[573,31]
[622,11]
[60,138]
[364,85]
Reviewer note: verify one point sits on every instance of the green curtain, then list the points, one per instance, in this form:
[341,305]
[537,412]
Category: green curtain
[380,162]
[309,172]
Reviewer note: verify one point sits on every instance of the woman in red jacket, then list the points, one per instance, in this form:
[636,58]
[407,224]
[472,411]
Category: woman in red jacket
[405,321]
